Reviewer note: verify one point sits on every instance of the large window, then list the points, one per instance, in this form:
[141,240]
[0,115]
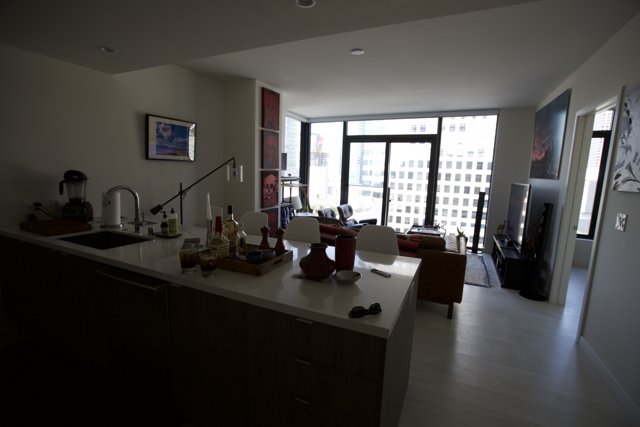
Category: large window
[466,162]
[292,139]
[405,172]
[594,177]
[325,164]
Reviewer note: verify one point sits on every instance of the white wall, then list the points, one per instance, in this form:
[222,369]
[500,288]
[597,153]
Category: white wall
[582,253]
[612,317]
[514,136]
[57,116]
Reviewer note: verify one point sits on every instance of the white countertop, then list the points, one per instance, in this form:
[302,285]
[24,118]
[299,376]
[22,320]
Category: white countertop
[327,301]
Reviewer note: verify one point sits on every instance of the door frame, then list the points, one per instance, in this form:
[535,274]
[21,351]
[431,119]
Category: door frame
[569,222]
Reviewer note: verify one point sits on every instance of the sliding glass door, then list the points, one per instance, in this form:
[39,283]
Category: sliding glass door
[389,180]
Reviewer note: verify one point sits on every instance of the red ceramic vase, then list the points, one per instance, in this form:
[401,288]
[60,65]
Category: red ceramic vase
[317,265]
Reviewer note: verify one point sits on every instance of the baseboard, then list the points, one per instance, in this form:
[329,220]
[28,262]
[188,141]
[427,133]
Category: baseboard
[631,408]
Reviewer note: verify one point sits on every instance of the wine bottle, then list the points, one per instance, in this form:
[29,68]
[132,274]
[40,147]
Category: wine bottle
[230,231]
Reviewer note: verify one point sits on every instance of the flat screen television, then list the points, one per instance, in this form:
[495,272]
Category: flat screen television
[518,214]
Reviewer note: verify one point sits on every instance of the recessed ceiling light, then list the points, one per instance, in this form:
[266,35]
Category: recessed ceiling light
[305,4]
[357,51]
[106,49]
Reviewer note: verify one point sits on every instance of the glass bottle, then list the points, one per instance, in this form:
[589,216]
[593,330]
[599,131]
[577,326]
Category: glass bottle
[242,239]
[230,231]
[219,244]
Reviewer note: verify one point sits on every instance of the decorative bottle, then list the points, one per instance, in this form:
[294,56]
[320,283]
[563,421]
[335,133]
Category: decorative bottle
[230,231]
[173,223]
[164,223]
[242,239]
[219,244]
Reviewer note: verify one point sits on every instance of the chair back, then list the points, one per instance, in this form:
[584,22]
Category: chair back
[378,238]
[303,229]
[327,213]
[253,221]
[345,212]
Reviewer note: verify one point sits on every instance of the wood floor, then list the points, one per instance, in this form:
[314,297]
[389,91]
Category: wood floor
[504,360]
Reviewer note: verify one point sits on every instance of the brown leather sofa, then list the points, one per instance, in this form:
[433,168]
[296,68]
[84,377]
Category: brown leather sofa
[442,271]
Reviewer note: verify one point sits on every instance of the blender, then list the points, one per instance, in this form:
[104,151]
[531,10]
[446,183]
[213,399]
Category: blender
[77,209]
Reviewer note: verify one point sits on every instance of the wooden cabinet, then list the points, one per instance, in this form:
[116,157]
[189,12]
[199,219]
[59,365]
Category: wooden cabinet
[209,357]
[315,367]
[132,325]
[107,327]
[162,352]
[512,267]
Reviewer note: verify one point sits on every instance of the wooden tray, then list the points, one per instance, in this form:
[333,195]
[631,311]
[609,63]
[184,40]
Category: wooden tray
[246,267]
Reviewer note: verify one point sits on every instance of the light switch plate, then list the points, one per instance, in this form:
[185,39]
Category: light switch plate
[621,221]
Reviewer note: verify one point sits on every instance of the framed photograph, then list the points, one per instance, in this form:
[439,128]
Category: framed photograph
[270,191]
[548,136]
[626,175]
[270,109]
[170,139]
[270,149]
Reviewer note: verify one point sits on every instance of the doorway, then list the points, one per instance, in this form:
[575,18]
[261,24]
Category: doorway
[581,156]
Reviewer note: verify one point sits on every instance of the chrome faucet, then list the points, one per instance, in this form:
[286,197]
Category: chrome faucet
[137,221]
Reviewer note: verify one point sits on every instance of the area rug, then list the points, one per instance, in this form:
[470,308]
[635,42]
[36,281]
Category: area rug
[476,272]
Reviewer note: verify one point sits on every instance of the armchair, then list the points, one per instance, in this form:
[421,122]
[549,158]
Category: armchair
[444,261]
[345,212]
[327,213]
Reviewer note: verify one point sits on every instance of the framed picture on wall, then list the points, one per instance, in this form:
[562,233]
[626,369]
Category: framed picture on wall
[269,180]
[270,149]
[626,176]
[170,139]
[270,109]
[548,136]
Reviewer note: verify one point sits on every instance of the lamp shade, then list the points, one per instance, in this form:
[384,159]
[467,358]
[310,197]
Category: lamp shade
[295,201]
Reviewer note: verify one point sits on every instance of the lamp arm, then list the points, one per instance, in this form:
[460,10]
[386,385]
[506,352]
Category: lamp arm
[183,191]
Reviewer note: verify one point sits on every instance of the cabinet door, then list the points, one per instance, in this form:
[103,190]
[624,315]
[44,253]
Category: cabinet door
[28,288]
[209,357]
[271,406]
[135,328]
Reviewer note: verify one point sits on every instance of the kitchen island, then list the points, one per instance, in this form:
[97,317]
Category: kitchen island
[238,349]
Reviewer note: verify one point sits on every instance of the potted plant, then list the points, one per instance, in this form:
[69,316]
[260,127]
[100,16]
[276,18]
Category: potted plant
[462,235]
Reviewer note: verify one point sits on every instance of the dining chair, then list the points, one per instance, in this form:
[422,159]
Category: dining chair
[303,229]
[253,221]
[378,238]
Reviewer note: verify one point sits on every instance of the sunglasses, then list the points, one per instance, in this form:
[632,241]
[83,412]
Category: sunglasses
[360,311]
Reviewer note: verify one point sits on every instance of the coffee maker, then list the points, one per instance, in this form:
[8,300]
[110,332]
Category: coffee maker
[77,209]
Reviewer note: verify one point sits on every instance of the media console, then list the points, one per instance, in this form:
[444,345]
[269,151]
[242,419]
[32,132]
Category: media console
[511,265]
[523,270]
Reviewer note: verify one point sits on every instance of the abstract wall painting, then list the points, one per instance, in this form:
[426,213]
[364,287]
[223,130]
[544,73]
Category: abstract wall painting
[548,136]
[626,176]
[269,189]
[270,149]
[270,109]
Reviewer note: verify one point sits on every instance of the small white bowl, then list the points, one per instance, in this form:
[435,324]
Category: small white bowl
[348,276]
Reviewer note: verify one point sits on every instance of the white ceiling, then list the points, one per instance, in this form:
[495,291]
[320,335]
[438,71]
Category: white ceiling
[421,55]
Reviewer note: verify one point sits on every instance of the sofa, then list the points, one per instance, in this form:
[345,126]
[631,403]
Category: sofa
[444,260]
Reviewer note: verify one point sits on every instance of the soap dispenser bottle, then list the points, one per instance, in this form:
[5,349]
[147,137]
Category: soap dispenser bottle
[164,224]
[173,223]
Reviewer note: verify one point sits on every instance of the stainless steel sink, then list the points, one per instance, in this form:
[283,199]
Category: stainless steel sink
[105,239]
